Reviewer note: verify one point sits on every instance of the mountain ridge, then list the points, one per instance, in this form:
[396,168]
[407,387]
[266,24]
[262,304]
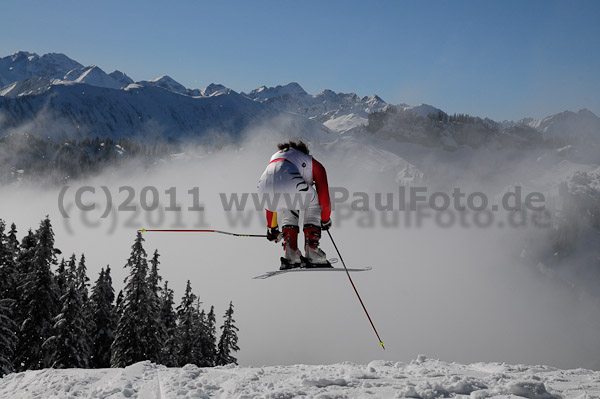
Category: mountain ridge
[25,74]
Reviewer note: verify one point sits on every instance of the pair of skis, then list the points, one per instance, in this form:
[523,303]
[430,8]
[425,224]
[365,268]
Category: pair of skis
[310,269]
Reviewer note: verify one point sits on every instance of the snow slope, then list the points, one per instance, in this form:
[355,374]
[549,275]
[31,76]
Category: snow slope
[31,86]
[421,378]
[65,110]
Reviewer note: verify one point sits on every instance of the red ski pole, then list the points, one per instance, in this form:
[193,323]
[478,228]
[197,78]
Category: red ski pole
[200,231]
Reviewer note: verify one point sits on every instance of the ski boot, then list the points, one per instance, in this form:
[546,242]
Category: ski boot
[292,258]
[315,257]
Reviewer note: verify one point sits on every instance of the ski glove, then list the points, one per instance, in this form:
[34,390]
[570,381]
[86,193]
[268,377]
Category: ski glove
[325,225]
[273,234]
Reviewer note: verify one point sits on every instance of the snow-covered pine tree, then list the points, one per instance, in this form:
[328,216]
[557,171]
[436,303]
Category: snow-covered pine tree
[26,253]
[119,305]
[82,284]
[72,267]
[81,278]
[12,241]
[189,335]
[104,318]
[61,277]
[38,302]
[24,261]
[8,336]
[209,343]
[8,267]
[201,326]
[158,326]
[153,277]
[137,334]
[8,327]
[168,317]
[155,329]
[229,339]
[70,348]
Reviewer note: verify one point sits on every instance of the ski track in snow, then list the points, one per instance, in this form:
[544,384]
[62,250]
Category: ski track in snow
[421,378]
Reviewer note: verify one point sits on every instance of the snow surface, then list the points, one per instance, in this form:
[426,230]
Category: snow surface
[345,122]
[421,378]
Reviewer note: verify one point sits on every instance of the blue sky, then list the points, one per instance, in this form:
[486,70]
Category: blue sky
[497,59]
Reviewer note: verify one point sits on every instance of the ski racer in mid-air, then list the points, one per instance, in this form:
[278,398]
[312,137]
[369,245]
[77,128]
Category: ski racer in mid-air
[295,177]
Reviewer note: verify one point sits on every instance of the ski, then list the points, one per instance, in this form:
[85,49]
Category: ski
[311,269]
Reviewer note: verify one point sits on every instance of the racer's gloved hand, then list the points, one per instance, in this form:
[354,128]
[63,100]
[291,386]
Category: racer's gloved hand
[325,225]
[273,234]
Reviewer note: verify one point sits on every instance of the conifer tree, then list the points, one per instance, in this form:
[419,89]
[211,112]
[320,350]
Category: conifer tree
[69,345]
[137,337]
[81,278]
[168,318]
[61,277]
[188,334]
[154,278]
[12,241]
[8,269]
[38,301]
[8,337]
[8,327]
[26,253]
[81,284]
[156,326]
[104,319]
[24,261]
[202,334]
[228,340]
[119,305]
[209,347]
[72,267]
[155,329]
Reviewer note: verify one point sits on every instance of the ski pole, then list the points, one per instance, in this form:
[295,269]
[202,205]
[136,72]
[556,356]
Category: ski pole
[356,291]
[200,231]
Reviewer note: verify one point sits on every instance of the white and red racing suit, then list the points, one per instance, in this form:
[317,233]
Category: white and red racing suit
[295,181]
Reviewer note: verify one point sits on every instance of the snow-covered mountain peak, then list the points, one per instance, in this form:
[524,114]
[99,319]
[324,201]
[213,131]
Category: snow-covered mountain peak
[121,77]
[372,99]
[329,93]
[24,65]
[213,89]
[584,112]
[21,56]
[582,125]
[92,75]
[59,59]
[338,111]
[264,92]
[166,82]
